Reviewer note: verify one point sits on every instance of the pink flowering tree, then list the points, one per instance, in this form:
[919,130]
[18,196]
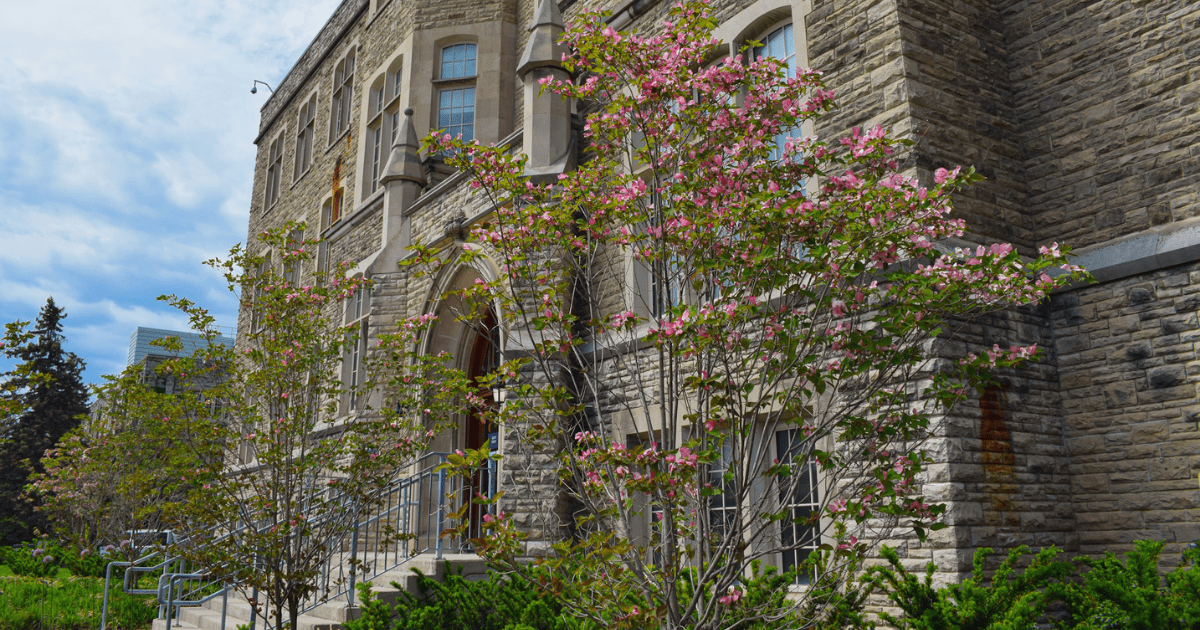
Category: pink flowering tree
[280,454]
[116,471]
[722,330]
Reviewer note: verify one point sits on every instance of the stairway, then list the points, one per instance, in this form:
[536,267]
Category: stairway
[330,615]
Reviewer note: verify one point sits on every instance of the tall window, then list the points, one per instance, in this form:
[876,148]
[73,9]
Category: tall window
[274,168]
[779,43]
[666,286]
[305,130]
[291,272]
[456,99]
[321,270]
[256,320]
[358,308]
[396,79]
[722,508]
[343,92]
[651,510]
[376,153]
[383,108]
[800,496]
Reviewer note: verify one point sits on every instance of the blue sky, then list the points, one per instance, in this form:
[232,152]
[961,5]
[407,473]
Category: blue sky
[126,155]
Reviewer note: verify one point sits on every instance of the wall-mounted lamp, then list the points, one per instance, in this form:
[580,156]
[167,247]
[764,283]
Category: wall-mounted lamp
[254,88]
[499,390]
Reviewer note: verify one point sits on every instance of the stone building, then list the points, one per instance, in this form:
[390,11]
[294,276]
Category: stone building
[1082,116]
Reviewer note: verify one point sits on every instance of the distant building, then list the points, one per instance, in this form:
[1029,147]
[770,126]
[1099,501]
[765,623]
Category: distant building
[139,342]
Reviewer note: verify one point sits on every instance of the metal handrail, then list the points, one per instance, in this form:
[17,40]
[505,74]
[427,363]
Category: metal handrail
[124,585]
[174,592]
[401,525]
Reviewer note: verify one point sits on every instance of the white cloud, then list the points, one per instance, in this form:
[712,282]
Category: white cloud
[126,155]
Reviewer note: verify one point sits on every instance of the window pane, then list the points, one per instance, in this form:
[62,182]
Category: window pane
[458,61]
[780,44]
[800,495]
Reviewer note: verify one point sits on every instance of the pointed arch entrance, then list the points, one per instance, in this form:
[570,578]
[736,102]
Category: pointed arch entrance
[475,344]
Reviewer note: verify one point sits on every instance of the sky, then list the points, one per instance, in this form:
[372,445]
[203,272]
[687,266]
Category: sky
[127,156]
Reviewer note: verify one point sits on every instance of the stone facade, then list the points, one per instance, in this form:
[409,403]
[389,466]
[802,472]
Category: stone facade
[1082,116]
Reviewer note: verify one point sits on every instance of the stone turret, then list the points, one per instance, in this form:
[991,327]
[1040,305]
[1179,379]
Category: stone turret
[403,178]
[547,139]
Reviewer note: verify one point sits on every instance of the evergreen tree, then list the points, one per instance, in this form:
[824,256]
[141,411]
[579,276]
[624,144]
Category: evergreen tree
[48,389]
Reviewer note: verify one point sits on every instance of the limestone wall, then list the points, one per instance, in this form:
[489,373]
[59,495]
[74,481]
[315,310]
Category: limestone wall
[1106,95]
[1127,352]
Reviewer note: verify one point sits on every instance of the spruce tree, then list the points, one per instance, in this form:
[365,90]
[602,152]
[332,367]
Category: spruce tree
[52,398]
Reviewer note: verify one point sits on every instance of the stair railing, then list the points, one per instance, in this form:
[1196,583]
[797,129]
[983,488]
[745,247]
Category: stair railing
[406,519]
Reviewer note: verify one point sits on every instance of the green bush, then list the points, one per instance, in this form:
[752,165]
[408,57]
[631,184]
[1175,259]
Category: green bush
[459,604]
[1130,595]
[514,604]
[30,559]
[73,603]
[1110,595]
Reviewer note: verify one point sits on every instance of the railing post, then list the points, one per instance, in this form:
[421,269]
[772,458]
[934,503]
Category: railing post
[104,607]
[353,563]
[171,600]
[224,606]
[441,510]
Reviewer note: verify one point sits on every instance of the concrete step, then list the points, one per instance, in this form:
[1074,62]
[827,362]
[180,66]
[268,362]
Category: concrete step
[330,615]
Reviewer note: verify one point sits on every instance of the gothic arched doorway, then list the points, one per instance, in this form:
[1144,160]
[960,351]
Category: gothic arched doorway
[479,432]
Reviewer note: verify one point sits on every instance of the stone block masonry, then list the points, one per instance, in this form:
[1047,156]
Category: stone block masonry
[1130,410]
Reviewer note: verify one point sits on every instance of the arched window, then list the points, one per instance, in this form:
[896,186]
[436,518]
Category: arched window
[383,120]
[358,311]
[376,150]
[456,96]
[343,92]
[780,43]
[274,168]
[305,129]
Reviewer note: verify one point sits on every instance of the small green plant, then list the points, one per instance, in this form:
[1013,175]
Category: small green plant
[1131,595]
[457,603]
[1110,595]
[1011,600]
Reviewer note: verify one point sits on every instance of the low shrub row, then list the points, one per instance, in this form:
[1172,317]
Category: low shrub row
[1089,594]
[44,557]
[1108,595]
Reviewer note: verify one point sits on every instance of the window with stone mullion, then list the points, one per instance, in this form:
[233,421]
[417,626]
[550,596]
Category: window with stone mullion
[275,162]
[358,309]
[799,494]
[306,129]
[456,101]
[343,85]
[780,43]
[375,135]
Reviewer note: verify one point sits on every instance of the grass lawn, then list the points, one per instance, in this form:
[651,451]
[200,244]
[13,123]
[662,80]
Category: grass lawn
[67,603]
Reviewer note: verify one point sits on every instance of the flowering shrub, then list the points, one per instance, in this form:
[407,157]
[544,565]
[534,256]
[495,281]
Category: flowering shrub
[33,559]
[774,355]
[45,556]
